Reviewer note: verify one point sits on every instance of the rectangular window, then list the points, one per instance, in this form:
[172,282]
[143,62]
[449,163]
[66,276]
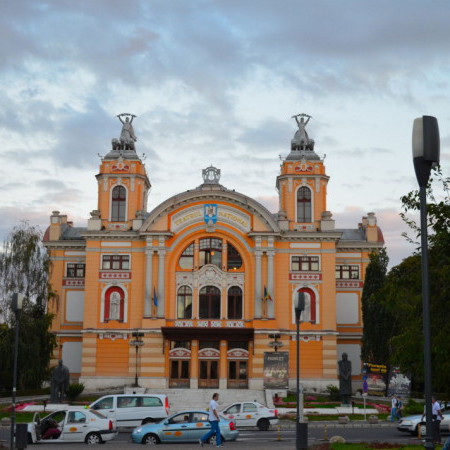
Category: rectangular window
[75,270]
[346,272]
[305,264]
[116,262]
[151,401]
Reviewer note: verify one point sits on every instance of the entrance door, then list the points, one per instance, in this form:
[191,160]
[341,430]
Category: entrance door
[237,375]
[179,373]
[209,374]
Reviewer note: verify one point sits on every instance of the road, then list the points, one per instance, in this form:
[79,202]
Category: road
[249,438]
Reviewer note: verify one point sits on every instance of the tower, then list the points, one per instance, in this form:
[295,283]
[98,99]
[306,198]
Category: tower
[302,185]
[123,185]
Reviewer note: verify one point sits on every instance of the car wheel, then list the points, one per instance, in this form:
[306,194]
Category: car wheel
[93,439]
[263,424]
[421,429]
[150,439]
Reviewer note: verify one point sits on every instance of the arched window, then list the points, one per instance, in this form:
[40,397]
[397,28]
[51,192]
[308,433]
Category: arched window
[209,303]
[118,204]
[309,313]
[234,260]
[304,205]
[186,260]
[114,304]
[211,252]
[235,302]
[184,303]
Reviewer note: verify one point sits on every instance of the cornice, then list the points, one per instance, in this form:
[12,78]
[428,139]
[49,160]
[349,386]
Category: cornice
[65,244]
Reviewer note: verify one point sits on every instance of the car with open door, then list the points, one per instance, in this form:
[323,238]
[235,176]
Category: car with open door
[73,424]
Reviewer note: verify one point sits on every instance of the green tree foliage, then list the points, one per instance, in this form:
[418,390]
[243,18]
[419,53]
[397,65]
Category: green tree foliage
[378,320]
[24,268]
[400,294]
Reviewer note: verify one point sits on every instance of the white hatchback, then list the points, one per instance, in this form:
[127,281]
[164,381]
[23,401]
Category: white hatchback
[74,424]
[251,414]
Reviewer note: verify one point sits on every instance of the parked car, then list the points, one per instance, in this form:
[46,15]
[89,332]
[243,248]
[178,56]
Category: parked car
[414,424]
[186,426]
[251,414]
[131,410]
[73,424]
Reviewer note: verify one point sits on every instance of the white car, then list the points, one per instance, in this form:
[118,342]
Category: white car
[251,414]
[73,424]
[414,424]
[132,410]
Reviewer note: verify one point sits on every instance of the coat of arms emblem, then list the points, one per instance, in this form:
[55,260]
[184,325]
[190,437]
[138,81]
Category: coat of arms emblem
[210,214]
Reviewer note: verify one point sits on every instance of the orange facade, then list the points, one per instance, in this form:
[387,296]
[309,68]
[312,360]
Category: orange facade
[204,278]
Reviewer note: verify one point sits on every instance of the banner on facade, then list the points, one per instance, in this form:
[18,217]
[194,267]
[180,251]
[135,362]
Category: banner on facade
[399,384]
[276,370]
[375,377]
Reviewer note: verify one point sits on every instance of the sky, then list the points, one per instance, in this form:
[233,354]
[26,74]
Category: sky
[217,82]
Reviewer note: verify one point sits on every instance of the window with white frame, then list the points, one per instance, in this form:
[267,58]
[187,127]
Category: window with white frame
[346,271]
[305,263]
[116,262]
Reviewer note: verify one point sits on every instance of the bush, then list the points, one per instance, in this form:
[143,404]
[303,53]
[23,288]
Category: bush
[413,407]
[333,392]
[74,390]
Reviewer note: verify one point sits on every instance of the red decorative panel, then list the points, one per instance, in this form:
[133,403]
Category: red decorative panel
[308,276]
[115,275]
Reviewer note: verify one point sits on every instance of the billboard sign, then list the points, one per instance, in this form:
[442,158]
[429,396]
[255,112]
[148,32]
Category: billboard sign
[276,370]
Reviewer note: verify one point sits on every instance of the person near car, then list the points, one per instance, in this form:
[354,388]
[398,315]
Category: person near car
[399,408]
[437,416]
[214,421]
[393,408]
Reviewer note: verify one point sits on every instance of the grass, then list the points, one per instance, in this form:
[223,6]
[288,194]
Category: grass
[21,417]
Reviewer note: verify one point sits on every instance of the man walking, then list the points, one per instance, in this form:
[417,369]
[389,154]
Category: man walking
[214,421]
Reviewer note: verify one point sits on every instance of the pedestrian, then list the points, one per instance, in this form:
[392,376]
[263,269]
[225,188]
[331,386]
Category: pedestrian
[437,416]
[214,420]
[399,407]
[393,408]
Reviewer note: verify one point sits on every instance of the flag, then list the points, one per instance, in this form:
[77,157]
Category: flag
[267,295]
[155,298]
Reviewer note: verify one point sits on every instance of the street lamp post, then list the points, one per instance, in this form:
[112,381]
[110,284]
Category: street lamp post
[426,152]
[16,304]
[136,343]
[301,429]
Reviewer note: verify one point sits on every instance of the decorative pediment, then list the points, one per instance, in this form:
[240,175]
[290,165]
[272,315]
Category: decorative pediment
[237,353]
[180,353]
[209,353]
[209,275]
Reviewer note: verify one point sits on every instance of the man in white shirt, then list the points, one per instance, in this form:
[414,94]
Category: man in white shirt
[436,423]
[214,421]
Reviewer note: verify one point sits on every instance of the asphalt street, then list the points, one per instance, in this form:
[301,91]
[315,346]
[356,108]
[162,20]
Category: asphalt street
[249,438]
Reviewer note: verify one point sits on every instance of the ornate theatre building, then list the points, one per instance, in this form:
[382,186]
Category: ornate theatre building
[188,294]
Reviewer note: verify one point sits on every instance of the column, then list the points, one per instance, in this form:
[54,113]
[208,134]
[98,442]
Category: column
[161,283]
[270,287]
[194,365]
[148,281]
[223,377]
[258,294]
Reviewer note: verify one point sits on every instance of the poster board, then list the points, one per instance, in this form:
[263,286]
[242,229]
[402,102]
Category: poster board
[376,375]
[276,370]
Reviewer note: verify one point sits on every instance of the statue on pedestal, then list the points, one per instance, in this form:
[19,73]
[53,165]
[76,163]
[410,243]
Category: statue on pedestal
[59,383]
[345,379]
[127,136]
[301,139]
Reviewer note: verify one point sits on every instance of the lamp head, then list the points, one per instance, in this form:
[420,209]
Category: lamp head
[17,302]
[425,147]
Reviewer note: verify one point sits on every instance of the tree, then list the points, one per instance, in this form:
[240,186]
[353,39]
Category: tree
[401,294]
[24,268]
[378,321]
